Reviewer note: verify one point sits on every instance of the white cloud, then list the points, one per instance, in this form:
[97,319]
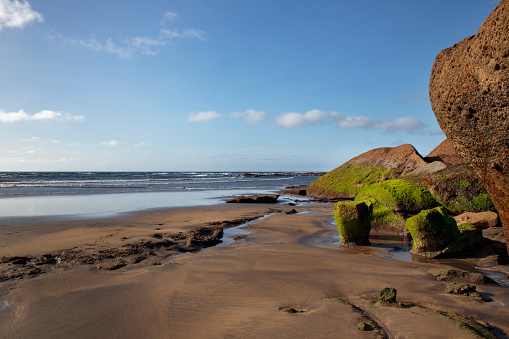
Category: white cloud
[9,117]
[313,117]
[407,124]
[112,142]
[203,116]
[403,124]
[16,14]
[251,116]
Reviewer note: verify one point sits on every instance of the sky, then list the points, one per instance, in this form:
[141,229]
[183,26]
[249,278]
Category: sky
[219,85]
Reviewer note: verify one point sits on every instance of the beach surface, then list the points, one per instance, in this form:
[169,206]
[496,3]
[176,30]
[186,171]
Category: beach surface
[151,275]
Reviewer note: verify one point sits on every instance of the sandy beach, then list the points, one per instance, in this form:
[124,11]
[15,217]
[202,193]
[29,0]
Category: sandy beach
[133,277]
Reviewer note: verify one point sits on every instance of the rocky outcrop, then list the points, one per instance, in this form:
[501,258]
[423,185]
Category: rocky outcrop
[469,95]
[379,164]
[401,159]
[251,199]
[353,219]
[445,153]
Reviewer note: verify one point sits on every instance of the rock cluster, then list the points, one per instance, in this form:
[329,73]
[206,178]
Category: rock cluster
[469,95]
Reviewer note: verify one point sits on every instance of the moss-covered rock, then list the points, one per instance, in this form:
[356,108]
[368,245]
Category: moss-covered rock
[387,297]
[432,231]
[459,190]
[400,195]
[346,181]
[353,219]
[393,197]
[367,168]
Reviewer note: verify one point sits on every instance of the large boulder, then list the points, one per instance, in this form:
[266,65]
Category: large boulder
[432,231]
[371,167]
[353,219]
[469,94]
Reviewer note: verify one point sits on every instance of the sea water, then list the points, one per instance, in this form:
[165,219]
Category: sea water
[103,194]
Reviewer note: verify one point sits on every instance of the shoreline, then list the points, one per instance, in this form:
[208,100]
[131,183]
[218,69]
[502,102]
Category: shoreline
[234,290]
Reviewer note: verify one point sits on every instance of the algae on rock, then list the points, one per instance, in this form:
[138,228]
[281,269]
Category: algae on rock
[353,219]
[432,231]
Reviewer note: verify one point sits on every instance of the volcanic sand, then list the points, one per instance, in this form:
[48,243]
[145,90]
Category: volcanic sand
[246,289]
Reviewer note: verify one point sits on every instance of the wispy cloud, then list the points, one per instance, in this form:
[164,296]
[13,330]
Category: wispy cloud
[144,45]
[10,117]
[407,124]
[251,116]
[16,14]
[203,116]
[37,139]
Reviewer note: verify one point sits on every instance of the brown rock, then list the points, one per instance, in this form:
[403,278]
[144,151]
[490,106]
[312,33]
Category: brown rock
[469,93]
[444,152]
[250,199]
[404,158]
[482,219]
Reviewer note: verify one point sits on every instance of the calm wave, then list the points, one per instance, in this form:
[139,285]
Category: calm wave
[35,183]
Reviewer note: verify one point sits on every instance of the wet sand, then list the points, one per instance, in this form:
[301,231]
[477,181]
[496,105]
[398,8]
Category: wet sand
[238,290]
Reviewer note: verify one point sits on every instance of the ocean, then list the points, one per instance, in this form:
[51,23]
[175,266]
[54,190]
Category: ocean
[53,195]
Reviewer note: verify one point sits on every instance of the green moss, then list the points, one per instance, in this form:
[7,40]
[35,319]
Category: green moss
[353,220]
[347,181]
[474,329]
[432,230]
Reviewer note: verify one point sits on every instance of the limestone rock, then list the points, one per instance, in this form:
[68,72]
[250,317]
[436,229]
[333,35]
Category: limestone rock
[469,93]
[353,219]
[432,231]
[482,219]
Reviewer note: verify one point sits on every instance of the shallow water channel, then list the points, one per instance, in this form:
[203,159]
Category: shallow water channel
[387,244]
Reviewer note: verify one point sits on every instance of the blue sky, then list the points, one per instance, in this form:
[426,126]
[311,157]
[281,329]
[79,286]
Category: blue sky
[219,85]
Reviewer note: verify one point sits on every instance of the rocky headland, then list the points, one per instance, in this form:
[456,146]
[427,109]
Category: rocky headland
[408,193]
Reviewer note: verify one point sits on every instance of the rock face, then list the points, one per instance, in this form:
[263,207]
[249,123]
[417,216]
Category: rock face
[469,93]
[353,219]
[347,180]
